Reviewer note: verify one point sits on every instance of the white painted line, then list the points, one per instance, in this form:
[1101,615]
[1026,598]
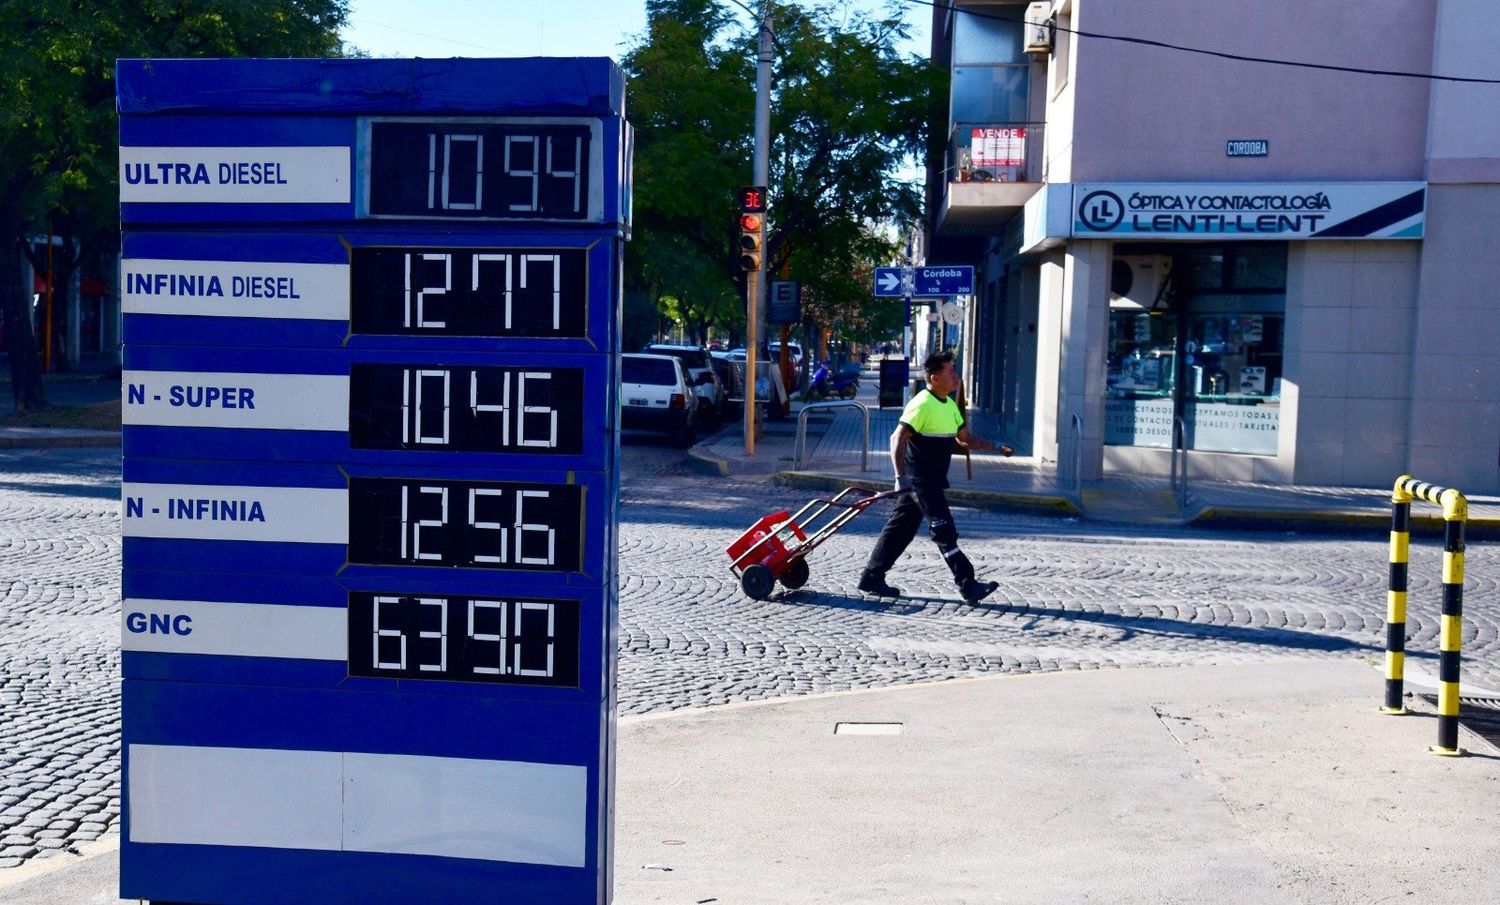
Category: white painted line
[866,728]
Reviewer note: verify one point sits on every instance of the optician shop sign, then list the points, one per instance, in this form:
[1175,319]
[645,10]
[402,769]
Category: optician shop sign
[1214,211]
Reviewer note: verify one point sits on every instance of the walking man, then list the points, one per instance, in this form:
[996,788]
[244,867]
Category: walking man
[921,446]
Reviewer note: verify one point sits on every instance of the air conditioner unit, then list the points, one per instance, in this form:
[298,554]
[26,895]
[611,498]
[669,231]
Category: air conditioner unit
[1039,28]
[1136,281]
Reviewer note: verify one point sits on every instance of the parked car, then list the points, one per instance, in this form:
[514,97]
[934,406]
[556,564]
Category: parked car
[793,350]
[729,373]
[655,395]
[701,377]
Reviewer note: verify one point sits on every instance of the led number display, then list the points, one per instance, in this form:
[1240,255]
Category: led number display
[480,170]
[514,641]
[466,524]
[480,409]
[540,292]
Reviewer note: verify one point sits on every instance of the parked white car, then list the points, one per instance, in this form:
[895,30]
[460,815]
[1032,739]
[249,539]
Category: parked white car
[701,376]
[655,395]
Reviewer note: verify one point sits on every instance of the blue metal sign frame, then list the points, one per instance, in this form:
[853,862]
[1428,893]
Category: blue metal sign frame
[369,621]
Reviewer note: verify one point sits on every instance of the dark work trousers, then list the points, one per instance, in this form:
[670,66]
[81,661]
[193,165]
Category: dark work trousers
[912,508]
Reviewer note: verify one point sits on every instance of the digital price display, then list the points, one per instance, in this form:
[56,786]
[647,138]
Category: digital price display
[466,524]
[514,641]
[481,169]
[523,292]
[359,597]
[479,409]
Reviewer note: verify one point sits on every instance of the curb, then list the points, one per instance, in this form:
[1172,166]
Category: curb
[47,437]
[979,499]
[1333,522]
[707,463]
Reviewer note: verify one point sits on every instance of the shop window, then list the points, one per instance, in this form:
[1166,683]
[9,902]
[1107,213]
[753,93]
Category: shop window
[1141,378]
[1225,325]
[1233,376]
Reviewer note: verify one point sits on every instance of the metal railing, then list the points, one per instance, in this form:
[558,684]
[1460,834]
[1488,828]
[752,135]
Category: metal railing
[864,411]
[1450,639]
[996,152]
[1179,453]
[1075,479]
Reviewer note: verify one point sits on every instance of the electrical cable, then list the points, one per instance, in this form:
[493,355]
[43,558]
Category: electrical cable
[1244,58]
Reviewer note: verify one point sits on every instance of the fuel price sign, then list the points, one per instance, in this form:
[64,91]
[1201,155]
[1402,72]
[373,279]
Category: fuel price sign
[370,482]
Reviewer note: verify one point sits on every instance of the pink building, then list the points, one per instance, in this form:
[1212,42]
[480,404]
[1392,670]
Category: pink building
[1261,231]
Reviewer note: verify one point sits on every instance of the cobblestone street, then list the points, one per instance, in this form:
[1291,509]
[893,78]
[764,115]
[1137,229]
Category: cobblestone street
[1073,595]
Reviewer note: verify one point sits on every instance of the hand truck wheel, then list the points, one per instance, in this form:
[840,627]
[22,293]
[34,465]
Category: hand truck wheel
[756,581]
[795,576]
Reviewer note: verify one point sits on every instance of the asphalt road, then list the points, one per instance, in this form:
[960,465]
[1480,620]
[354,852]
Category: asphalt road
[1072,596]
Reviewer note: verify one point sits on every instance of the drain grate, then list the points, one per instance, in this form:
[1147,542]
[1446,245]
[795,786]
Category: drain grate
[1480,716]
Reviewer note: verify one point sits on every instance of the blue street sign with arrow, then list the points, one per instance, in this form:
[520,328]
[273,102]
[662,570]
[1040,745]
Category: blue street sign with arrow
[888,282]
[956,279]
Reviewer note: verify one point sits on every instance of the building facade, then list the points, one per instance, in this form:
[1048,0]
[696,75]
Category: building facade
[1257,232]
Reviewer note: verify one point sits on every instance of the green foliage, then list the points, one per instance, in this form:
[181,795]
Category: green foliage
[59,160]
[847,111]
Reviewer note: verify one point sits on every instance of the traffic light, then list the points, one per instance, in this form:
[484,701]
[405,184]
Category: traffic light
[752,226]
[751,231]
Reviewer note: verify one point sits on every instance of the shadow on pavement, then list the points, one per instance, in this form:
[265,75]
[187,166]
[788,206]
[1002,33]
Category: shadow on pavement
[1130,627]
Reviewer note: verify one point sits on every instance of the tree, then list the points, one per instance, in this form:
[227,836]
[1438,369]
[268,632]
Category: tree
[59,161]
[691,96]
[847,111]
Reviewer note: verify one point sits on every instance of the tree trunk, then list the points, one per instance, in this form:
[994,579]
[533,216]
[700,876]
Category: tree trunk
[20,340]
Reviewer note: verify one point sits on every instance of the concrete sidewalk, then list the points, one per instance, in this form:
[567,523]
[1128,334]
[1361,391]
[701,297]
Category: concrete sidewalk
[79,388]
[1274,782]
[835,456]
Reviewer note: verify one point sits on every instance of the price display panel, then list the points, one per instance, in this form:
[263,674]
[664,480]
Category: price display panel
[418,633]
[516,641]
[468,524]
[490,292]
[475,409]
[370,477]
[369,406]
[298,289]
[477,169]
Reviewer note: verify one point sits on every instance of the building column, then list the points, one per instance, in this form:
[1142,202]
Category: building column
[1081,360]
[1049,330]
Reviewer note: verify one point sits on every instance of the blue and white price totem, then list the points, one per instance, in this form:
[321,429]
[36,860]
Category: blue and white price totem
[369,495]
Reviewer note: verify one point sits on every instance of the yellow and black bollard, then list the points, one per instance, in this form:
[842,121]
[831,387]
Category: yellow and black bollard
[1395,600]
[1455,516]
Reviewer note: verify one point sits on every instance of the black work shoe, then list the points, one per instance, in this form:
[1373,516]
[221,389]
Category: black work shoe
[975,591]
[875,584]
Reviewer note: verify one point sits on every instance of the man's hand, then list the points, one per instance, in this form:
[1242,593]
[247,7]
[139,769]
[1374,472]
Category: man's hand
[903,483]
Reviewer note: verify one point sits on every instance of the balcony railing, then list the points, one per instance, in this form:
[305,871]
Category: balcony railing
[995,152]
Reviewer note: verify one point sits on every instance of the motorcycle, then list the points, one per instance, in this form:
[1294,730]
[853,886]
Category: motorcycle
[843,383]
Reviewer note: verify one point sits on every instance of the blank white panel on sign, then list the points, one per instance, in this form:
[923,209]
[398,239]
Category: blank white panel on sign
[489,810]
[235,289]
[273,175]
[315,402]
[492,810]
[234,629]
[297,515]
[256,797]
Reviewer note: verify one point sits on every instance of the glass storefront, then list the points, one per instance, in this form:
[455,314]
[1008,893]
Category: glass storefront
[1208,350]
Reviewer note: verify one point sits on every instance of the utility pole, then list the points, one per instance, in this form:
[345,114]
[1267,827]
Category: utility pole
[755,281]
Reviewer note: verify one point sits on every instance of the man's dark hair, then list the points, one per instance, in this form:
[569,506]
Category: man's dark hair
[935,362]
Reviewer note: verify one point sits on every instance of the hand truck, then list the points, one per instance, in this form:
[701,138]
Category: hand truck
[776,547]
